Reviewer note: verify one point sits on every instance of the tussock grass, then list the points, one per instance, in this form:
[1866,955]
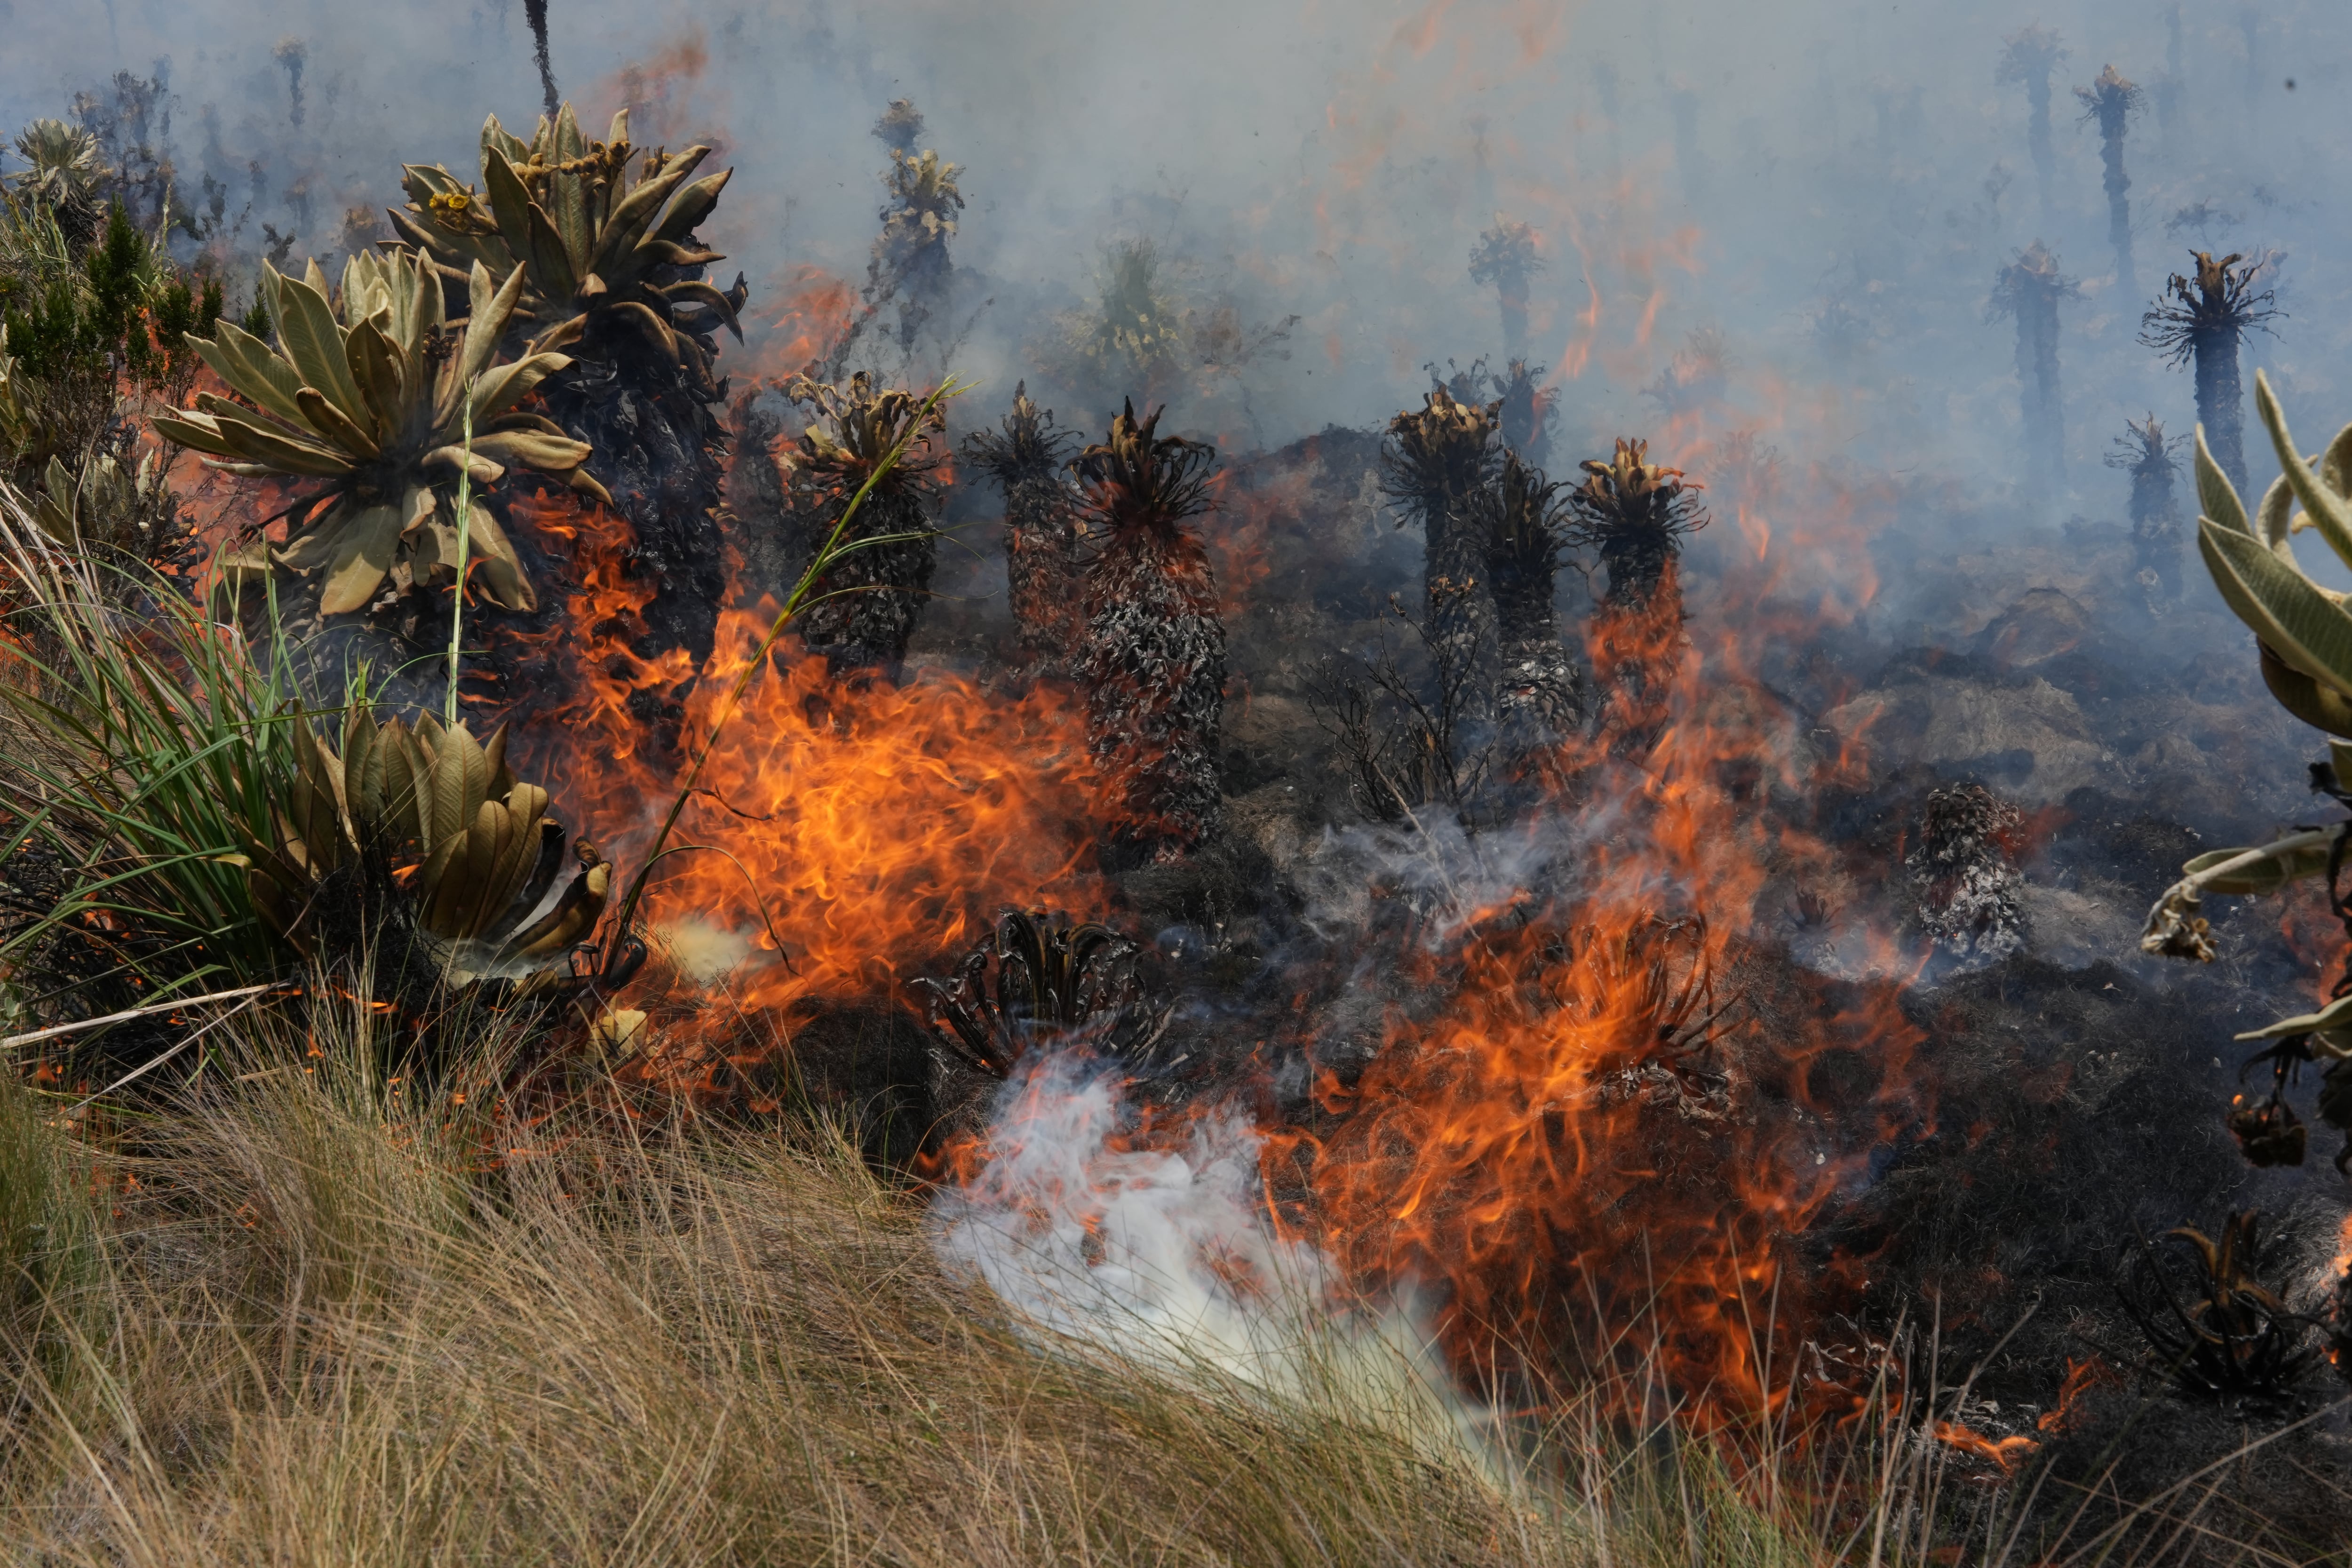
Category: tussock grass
[312,1321]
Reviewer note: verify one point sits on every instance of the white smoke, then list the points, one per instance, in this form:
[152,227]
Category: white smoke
[1167,1258]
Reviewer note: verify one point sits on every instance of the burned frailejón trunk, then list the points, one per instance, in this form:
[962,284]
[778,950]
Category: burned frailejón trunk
[2029,289]
[1540,691]
[2110,102]
[2147,453]
[1433,465]
[862,611]
[2201,320]
[1153,655]
[1632,514]
[1027,460]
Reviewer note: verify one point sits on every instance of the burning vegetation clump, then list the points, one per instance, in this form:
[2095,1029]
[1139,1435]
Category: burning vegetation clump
[1038,985]
[868,600]
[2212,1325]
[1152,661]
[1027,461]
[1965,887]
[612,278]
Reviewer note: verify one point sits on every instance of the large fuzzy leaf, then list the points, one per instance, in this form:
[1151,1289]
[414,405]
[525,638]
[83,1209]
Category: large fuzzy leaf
[502,388]
[2216,497]
[698,292]
[195,431]
[495,137]
[509,201]
[382,371]
[313,342]
[501,573]
[2304,698]
[248,366]
[2308,630]
[693,205]
[284,453]
[551,263]
[352,439]
[635,215]
[2329,512]
[362,557]
[487,323]
[533,449]
[460,783]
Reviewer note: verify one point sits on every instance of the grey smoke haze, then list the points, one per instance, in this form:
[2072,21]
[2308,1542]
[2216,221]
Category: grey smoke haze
[1830,184]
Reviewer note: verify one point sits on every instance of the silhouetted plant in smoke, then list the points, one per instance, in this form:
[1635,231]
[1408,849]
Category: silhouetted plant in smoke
[2201,320]
[2110,102]
[1040,982]
[1505,257]
[1027,461]
[1633,515]
[2028,289]
[291,54]
[1434,463]
[866,603]
[909,263]
[613,276]
[1137,330]
[1527,408]
[2028,58]
[1153,655]
[1696,376]
[2147,454]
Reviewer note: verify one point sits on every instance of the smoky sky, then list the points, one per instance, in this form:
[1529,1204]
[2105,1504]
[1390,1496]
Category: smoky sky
[1828,186]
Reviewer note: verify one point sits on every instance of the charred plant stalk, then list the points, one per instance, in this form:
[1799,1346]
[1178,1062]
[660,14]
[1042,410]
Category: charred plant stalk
[2146,452]
[2029,289]
[2028,58]
[2201,320]
[1153,657]
[1540,700]
[868,601]
[2110,101]
[1040,534]
[1433,465]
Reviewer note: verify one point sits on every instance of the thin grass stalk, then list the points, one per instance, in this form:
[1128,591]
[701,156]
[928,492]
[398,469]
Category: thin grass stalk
[464,543]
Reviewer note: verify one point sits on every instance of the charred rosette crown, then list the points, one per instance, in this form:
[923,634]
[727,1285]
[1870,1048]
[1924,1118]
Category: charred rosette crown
[373,401]
[1434,457]
[1633,514]
[1137,478]
[438,815]
[609,262]
[856,427]
[1038,983]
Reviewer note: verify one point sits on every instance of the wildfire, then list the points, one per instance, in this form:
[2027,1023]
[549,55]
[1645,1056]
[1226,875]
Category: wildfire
[841,839]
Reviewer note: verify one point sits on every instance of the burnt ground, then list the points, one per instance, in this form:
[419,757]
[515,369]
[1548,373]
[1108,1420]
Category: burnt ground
[2073,1090]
